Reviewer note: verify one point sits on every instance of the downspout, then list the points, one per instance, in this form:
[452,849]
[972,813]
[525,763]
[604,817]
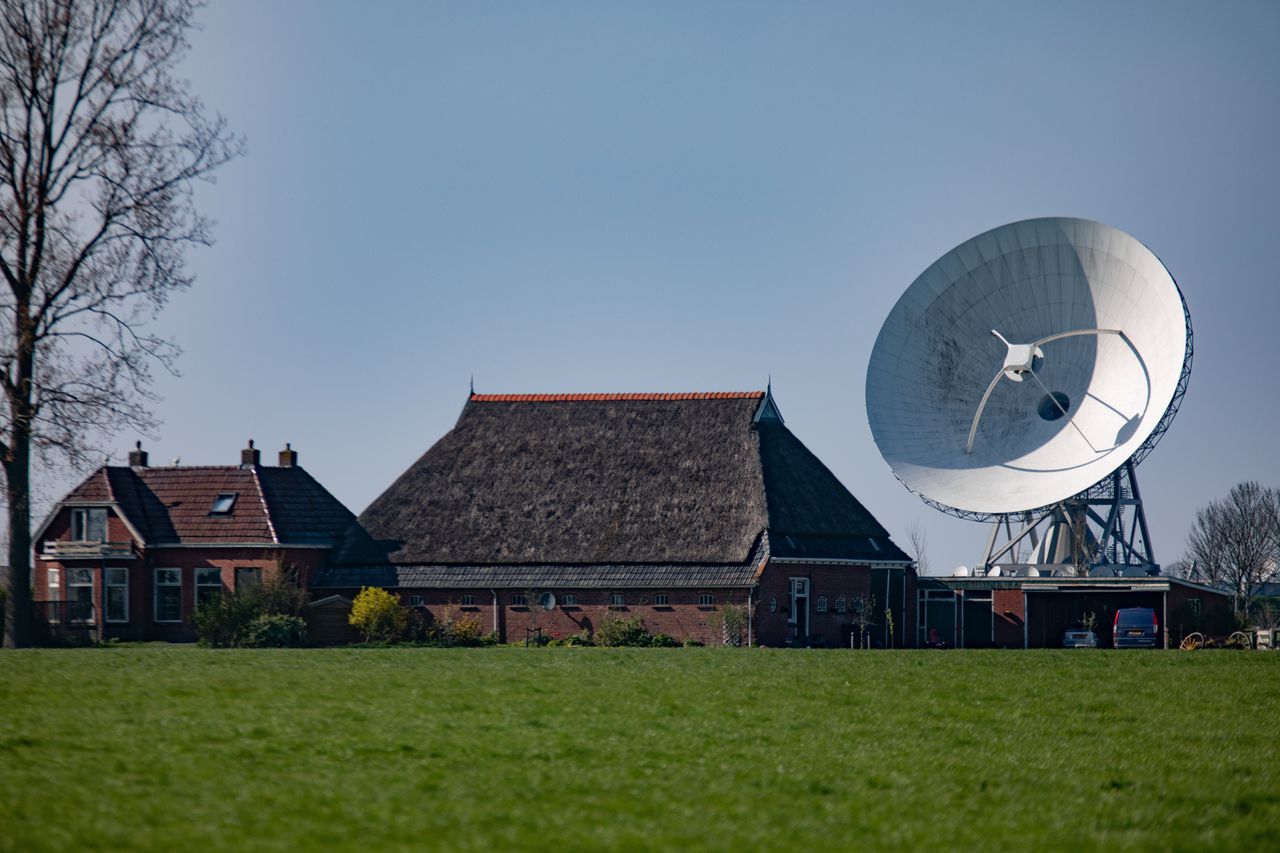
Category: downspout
[750,622]
[1164,616]
[496,636]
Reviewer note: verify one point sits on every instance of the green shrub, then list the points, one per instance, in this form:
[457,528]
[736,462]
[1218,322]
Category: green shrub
[622,631]
[378,616]
[223,621]
[664,641]
[278,631]
[692,644]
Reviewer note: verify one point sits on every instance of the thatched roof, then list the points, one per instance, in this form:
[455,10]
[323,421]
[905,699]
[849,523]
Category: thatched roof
[621,479]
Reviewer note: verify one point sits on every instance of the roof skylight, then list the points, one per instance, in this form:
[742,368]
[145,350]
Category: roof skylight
[223,503]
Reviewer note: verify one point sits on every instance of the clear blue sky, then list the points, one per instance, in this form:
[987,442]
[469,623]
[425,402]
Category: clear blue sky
[690,196]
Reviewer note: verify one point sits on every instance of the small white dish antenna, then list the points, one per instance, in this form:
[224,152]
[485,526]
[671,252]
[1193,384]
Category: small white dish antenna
[547,601]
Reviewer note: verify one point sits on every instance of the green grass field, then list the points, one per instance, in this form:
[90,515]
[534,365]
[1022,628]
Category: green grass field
[172,747]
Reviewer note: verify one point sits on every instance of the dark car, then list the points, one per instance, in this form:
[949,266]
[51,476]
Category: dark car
[1135,628]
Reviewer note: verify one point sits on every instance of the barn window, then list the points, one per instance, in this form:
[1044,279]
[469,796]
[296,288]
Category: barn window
[822,604]
[519,599]
[841,605]
[705,599]
[468,600]
[1193,604]
[415,601]
[168,595]
[568,599]
[661,600]
[617,599]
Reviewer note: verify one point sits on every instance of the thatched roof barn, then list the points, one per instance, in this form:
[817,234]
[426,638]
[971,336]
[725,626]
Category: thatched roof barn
[545,482]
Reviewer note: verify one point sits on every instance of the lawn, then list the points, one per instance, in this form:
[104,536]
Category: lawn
[172,747]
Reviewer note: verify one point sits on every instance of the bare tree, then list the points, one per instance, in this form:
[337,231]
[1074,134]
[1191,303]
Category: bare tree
[1235,542]
[100,145]
[919,546]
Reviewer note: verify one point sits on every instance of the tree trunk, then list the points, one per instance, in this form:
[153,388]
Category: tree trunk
[17,623]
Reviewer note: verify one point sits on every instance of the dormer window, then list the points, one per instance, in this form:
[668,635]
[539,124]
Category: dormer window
[223,503]
[89,524]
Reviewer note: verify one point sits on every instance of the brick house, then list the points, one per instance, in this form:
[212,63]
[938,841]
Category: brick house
[553,512]
[132,550]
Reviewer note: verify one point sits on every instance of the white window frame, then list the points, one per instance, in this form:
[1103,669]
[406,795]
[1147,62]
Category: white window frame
[822,604]
[415,601]
[54,581]
[842,604]
[519,599]
[198,585]
[468,600]
[155,603]
[82,517]
[617,599]
[568,599]
[661,599]
[72,583]
[706,599]
[108,586]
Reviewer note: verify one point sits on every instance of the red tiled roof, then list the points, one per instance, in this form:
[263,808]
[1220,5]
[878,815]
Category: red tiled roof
[172,505]
[578,398]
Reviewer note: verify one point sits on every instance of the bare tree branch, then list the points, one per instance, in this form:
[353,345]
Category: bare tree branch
[100,149]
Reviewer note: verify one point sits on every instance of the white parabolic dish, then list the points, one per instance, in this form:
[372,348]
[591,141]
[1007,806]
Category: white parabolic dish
[1062,414]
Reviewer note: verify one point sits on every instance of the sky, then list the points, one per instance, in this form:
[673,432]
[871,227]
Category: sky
[674,196]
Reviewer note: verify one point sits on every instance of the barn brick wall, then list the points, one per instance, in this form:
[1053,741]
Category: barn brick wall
[1010,616]
[682,617]
[832,582]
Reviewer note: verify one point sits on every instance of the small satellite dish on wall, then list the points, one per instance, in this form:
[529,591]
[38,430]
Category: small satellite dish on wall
[1024,374]
[547,601]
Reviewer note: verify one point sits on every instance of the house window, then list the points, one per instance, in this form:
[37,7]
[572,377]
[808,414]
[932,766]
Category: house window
[705,599]
[617,599]
[415,601]
[223,503]
[568,599]
[89,525]
[55,584]
[822,604]
[168,595]
[661,599]
[1193,605]
[80,595]
[841,605]
[248,577]
[519,599]
[117,595]
[208,585]
[468,600]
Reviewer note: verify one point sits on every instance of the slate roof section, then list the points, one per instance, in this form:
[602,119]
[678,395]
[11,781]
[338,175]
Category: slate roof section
[171,506]
[604,480]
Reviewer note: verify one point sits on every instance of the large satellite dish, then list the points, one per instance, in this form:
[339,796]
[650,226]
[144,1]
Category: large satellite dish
[1028,367]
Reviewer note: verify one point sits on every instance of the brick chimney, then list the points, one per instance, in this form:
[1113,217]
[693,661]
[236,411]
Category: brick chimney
[249,456]
[288,457]
[138,456]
